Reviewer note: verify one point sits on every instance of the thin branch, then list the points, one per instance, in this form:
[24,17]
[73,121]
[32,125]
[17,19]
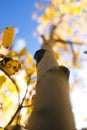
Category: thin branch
[27,106]
[63,42]
[18,109]
[59,39]
[25,94]
[15,114]
[71,46]
[17,88]
[68,42]
[73,52]
[43,38]
[52,31]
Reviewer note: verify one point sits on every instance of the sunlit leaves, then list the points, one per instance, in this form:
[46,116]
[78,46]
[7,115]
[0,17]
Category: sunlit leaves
[44,18]
[8,36]
[14,86]
[8,98]
[70,20]
[50,12]
[30,66]
[61,12]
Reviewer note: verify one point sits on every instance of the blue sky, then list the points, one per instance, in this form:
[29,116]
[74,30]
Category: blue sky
[18,13]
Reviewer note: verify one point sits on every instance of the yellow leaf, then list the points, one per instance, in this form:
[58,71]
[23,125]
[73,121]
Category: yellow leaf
[2,80]
[23,52]
[78,10]
[26,102]
[29,110]
[31,91]
[72,10]
[10,66]
[57,55]
[8,101]
[77,65]
[12,53]
[32,81]
[27,79]
[75,9]
[30,71]
[29,59]
[45,18]
[68,31]
[8,36]
[49,13]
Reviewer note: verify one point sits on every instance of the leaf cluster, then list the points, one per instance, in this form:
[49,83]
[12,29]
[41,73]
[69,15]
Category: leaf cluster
[13,64]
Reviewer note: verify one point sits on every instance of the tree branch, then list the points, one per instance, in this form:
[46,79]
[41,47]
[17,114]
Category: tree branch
[73,52]
[27,106]
[18,109]
[67,42]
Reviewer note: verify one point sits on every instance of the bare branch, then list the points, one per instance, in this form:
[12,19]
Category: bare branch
[43,37]
[67,42]
[52,31]
[12,119]
[73,53]
[18,109]
[27,106]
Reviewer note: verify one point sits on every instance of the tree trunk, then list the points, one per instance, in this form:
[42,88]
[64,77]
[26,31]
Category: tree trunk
[51,108]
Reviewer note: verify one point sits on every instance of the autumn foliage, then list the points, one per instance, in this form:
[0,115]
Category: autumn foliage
[15,95]
[67,19]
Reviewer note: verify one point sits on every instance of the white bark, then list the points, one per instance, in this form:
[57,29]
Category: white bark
[52,108]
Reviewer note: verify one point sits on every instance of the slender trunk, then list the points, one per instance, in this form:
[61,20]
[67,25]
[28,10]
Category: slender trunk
[52,108]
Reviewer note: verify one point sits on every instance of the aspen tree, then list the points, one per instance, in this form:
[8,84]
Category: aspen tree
[51,106]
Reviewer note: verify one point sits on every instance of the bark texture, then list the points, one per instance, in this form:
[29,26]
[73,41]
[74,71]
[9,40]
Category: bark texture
[51,108]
